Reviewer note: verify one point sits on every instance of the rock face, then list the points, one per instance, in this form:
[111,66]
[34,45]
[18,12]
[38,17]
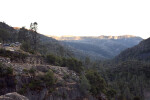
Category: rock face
[13,96]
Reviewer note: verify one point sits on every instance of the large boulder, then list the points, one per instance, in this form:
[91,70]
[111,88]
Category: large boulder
[13,96]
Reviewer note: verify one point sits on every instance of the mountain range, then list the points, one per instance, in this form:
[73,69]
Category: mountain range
[98,47]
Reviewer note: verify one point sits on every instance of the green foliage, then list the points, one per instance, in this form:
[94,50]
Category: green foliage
[84,85]
[71,63]
[25,71]
[39,82]
[74,64]
[35,84]
[9,71]
[52,59]
[5,71]
[129,78]
[23,90]
[26,47]
[32,71]
[66,76]
[52,89]
[111,93]
[49,78]
[96,81]
[30,40]
[139,52]
[12,55]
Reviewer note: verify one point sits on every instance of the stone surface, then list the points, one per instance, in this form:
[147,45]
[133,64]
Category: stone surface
[13,96]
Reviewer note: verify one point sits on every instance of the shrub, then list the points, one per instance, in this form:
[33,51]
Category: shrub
[84,85]
[110,93]
[74,64]
[5,71]
[51,59]
[23,90]
[66,76]
[35,84]
[49,78]
[14,56]
[25,71]
[71,63]
[96,81]
[9,71]
[26,46]
[51,90]
[32,71]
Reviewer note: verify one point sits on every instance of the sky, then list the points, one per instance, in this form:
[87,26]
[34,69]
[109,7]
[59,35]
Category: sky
[80,17]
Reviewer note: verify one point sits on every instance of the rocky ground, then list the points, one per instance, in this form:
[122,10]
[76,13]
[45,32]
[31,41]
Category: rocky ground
[13,96]
[66,86]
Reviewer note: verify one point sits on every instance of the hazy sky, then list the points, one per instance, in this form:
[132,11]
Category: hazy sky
[80,17]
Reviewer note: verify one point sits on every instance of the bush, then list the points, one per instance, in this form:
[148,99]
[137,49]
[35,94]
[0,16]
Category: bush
[51,90]
[26,46]
[23,90]
[96,81]
[49,78]
[5,71]
[66,76]
[32,71]
[110,93]
[51,59]
[25,71]
[71,63]
[35,84]
[9,71]
[74,64]
[84,85]
[12,55]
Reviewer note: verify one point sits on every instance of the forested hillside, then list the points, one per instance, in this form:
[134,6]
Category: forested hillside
[139,52]
[42,64]
[45,45]
[128,73]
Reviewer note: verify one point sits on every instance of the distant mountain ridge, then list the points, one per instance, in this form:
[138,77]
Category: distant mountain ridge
[94,37]
[99,47]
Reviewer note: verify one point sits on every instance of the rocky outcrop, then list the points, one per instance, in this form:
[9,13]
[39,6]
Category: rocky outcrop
[13,96]
[66,87]
[27,79]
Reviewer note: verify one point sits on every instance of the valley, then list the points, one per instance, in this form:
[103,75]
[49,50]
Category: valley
[99,47]
[37,67]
